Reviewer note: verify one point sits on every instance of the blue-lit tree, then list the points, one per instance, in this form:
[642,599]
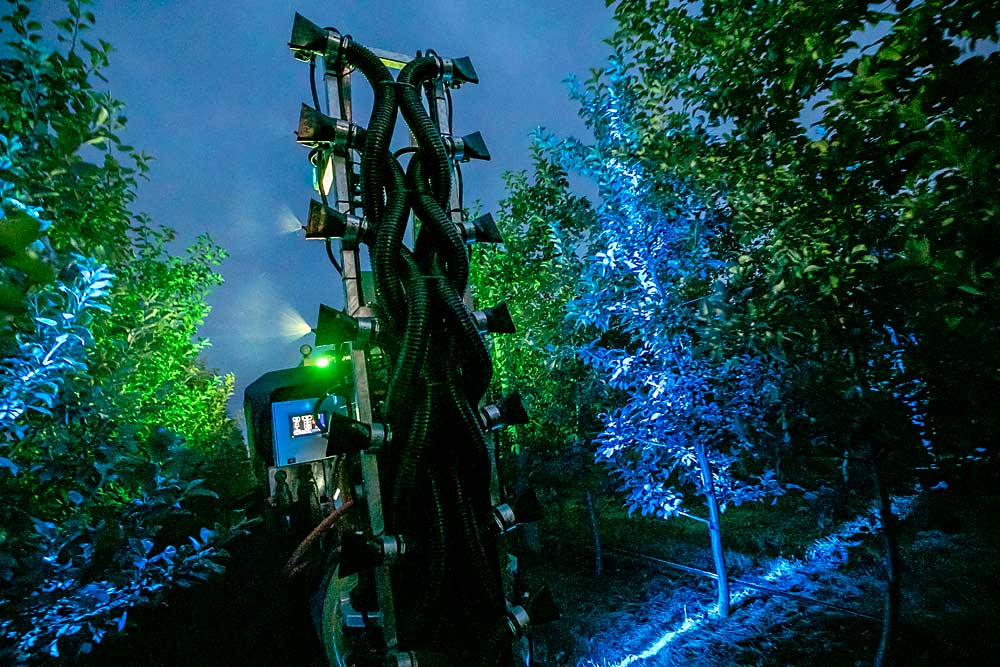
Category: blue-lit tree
[104,407]
[697,393]
[851,146]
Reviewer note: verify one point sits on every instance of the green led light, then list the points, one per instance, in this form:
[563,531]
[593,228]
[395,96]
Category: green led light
[323,362]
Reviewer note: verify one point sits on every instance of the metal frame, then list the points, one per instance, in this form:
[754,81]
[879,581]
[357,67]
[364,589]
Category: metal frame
[337,79]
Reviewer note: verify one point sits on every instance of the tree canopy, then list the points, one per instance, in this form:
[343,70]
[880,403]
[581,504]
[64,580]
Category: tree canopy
[547,233]
[108,420]
[799,257]
[849,148]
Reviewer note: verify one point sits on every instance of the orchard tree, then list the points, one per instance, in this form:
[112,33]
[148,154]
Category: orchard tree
[545,230]
[547,233]
[535,272]
[107,419]
[851,150]
[148,348]
[696,397]
[76,167]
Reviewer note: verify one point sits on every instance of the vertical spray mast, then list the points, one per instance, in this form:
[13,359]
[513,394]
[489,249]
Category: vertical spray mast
[421,583]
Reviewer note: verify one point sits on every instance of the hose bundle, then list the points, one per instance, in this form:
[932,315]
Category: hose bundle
[439,370]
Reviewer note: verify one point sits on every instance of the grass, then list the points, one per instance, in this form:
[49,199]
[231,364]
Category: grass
[950,546]
[949,606]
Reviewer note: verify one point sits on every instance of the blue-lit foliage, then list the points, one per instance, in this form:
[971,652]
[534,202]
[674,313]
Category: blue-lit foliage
[851,146]
[80,537]
[698,397]
[850,150]
[67,610]
[654,292]
[54,349]
[101,394]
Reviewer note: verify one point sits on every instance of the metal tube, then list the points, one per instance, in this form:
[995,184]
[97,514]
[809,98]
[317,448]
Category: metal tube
[338,91]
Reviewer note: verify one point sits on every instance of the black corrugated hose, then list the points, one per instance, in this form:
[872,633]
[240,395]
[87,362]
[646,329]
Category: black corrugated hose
[415,341]
[439,236]
[440,370]
[412,459]
[385,249]
[432,148]
[380,128]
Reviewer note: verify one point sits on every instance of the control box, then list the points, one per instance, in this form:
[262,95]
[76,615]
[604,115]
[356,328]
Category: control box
[287,412]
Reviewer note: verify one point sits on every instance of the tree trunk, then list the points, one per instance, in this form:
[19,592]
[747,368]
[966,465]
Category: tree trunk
[595,533]
[714,529]
[890,616]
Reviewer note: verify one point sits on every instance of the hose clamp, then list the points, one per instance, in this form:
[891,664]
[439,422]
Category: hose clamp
[490,415]
[505,518]
[480,315]
[389,84]
[456,147]
[517,620]
[351,133]
[368,327]
[401,660]
[445,68]
[354,231]
[468,232]
[380,434]
[336,47]
[392,547]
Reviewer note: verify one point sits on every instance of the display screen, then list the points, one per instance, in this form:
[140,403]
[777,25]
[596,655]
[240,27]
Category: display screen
[306,424]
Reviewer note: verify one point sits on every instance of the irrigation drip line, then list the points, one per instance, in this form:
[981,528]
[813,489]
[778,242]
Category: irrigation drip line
[749,584]
[741,582]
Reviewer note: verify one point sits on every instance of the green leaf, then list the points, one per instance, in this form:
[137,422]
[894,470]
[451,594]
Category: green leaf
[19,229]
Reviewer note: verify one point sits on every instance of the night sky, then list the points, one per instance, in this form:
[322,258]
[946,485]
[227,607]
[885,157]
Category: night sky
[213,93]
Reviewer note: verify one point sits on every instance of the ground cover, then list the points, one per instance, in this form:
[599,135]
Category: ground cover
[617,619]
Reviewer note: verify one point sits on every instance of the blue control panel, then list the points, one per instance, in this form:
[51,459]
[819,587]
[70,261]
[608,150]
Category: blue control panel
[300,429]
